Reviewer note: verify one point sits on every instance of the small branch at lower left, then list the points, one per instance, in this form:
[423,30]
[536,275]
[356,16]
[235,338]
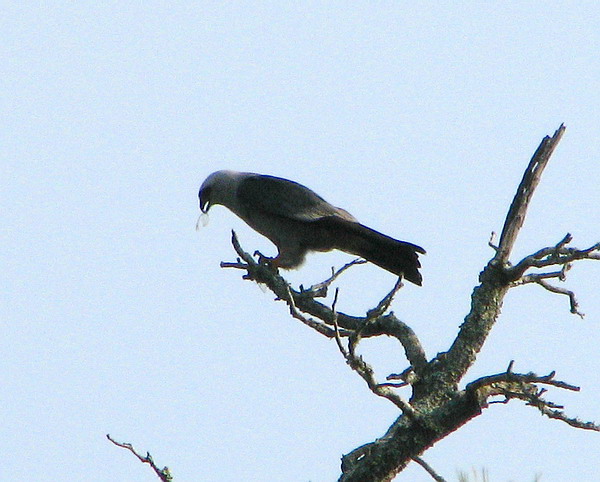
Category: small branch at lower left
[163,474]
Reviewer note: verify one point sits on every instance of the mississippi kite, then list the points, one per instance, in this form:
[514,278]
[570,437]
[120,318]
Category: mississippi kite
[297,220]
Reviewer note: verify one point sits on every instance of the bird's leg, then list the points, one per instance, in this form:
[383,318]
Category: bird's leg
[289,257]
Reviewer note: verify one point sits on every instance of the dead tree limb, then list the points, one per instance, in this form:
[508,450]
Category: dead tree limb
[163,474]
[518,209]
[437,407]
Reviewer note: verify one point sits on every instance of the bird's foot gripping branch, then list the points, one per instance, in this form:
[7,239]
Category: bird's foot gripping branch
[435,406]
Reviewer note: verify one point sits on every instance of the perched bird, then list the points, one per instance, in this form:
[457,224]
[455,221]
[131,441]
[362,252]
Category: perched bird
[297,220]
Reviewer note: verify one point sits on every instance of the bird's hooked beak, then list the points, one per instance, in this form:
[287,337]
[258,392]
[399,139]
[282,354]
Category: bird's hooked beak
[204,199]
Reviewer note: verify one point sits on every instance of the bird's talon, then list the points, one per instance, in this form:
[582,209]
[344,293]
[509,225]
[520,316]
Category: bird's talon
[265,260]
[261,258]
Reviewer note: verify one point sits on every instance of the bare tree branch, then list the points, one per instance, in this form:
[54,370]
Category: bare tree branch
[319,290]
[429,469]
[511,377]
[525,387]
[357,363]
[385,303]
[518,208]
[311,322]
[556,289]
[559,256]
[163,474]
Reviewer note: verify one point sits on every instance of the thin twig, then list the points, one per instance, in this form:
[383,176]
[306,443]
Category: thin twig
[357,364]
[429,469]
[572,421]
[394,385]
[492,242]
[525,387]
[320,289]
[563,291]
[511,377]
[406,376]
[559,255]
[163,474]
[385,303]
[312,323]
[338,340]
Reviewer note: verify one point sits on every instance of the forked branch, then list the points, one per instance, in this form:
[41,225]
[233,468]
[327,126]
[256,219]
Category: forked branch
[525,387]
[559,259]
[365,370]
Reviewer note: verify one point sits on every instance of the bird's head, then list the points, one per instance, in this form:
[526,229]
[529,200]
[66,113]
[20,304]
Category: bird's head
[209,191]
[219,188]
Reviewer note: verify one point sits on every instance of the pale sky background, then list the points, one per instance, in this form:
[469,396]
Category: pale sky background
[418,119]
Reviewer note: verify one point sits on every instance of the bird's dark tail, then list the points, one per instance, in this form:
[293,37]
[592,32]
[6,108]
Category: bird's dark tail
[398,257]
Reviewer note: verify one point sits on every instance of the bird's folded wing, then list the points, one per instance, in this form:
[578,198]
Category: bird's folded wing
[285,198]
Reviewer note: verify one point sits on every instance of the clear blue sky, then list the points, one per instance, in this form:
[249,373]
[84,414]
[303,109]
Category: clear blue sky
[418,119]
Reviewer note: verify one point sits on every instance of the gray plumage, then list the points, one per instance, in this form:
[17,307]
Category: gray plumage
[297,220]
